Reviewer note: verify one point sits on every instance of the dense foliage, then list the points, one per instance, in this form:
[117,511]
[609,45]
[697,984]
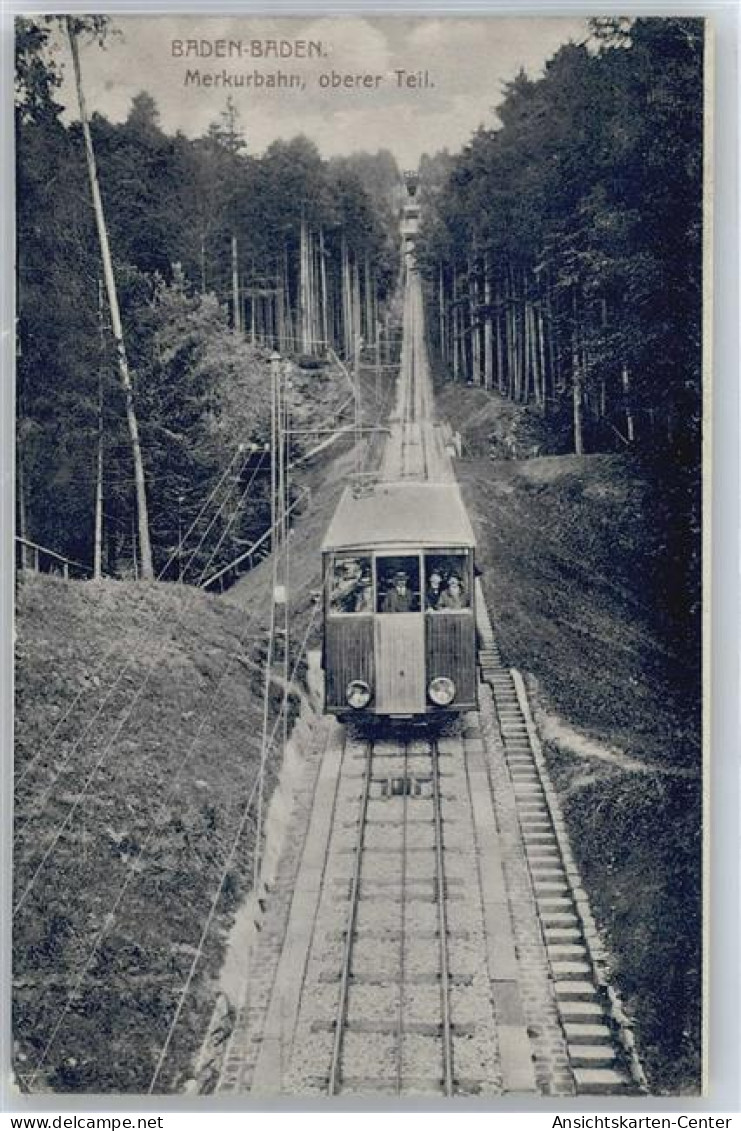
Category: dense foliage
[219,257]
[563,249]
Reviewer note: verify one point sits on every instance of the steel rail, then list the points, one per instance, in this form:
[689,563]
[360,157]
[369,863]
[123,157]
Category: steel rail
[335,1074]
[447,1029]
[402,925]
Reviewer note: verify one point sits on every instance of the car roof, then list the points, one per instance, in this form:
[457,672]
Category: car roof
[401,513]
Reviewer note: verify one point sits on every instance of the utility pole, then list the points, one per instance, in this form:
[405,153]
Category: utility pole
[275,546]
[145,546]
[356,383]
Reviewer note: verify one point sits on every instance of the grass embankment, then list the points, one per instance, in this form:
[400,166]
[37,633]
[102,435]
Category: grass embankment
[143,706]
[578,569]
[156,708]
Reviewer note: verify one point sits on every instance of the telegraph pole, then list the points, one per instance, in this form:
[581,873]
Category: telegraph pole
[356,383]
[276,520]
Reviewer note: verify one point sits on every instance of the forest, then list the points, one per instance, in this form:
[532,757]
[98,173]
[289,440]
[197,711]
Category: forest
[219,256]
[562,247]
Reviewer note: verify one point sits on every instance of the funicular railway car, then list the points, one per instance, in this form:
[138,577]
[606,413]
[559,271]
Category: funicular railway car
[399,617]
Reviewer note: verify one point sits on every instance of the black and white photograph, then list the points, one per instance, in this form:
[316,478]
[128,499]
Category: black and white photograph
[361,450]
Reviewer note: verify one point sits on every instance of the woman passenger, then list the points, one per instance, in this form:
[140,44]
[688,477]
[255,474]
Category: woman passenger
[453,597]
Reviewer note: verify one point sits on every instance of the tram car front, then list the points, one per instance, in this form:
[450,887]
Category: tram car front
[399,618]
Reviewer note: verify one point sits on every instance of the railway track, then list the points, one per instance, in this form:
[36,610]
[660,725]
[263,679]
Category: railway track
[401,798]
[434,936]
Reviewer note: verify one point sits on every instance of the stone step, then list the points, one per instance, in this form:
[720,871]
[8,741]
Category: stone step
[592,1056]
[544,886]
[567,952]
[590,1011]
[578,990]
[555,903]
[560,920]
[562,935]
[587,1033]
[601,1082]
[567,971]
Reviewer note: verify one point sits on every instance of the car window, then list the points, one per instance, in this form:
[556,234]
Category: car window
[351,584]
[398,584]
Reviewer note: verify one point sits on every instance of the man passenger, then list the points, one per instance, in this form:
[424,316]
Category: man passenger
[434,589]
[399,598]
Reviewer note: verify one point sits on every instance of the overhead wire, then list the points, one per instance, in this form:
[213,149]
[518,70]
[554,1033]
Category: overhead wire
[232,520]
[114,647]
[57,833]
[225,871]
[132,867]
[133,870]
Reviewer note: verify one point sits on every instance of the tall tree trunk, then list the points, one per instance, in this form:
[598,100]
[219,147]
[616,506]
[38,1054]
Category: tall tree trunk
[287,298]
[368,304]
[303,287]
[576,381]
[441,313]
[539,330]
[98,524]
[456,331]
[357,307]
[22,510]
[500,336]
[98,539]
[323,288]
[628,406]
[236,302]
[346,298]
[145,545]
[488,351]
[253,311]
[473,321]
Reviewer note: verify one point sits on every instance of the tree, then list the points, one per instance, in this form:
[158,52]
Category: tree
[145,546]
[562,251]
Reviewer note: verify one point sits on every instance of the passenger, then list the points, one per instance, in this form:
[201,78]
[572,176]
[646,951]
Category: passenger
[453,597]
[364,596]
[346,587]
[399,599]
[434,589]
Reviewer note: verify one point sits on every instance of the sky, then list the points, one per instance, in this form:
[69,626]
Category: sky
[466,62]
